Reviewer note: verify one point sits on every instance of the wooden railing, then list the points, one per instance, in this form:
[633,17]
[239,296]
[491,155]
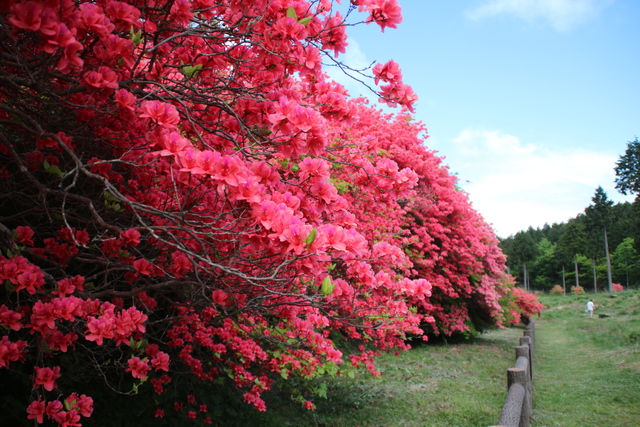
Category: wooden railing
[516,411]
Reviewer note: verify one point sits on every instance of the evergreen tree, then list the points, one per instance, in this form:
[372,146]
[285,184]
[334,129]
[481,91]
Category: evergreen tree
[524,252]
[628,169]
[625,263]
[571,243]
[598,216]
[547,266]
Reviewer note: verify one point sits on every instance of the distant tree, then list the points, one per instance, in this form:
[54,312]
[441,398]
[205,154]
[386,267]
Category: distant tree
[625,263]
[525,251]
[536,234]
[547,265]
[623,223]
[571,243]
[553,232]
[506,246]
[628,169]
[598,216]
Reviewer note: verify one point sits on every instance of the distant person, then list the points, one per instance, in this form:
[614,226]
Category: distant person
[590,308]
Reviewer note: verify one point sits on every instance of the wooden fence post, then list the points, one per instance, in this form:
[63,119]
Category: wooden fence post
[514,408]
[527,341]
[523,363]
[530,331]
[518,405]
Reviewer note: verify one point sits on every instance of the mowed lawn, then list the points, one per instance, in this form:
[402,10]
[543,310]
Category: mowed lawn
[587,371]
[443,384]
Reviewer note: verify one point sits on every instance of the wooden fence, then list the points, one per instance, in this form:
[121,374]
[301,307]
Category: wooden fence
[516,411]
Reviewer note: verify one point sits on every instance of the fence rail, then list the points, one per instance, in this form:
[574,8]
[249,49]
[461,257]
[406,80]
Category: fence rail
[516,411]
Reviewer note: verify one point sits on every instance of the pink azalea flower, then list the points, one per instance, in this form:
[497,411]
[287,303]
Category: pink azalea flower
[26,15]
[220,297]
[130,237]
[138,367]
[47,377]
[24,235]
[165,115]
[36,411]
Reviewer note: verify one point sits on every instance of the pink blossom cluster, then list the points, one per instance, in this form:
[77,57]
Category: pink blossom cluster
[207,201]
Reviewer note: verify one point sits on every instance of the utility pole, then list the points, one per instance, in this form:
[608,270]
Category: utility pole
[595,279]
[606,251]
[626,267]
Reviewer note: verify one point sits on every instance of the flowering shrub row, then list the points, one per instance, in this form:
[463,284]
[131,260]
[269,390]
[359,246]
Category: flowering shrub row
[187,197]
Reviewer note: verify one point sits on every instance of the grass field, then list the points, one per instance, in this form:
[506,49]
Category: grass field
[588,370]
[586,373]
[445,384]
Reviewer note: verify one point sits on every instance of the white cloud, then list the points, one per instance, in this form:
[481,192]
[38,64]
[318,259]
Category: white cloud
[515,185]
[494,141]
[563,15]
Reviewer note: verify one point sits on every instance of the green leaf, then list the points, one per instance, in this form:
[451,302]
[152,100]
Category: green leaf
[191,70]
[305,21]
[229,372]
[291,13]
[311,237]
[332,368]
[53,170]
[327,286]
[322,390]
[110,197]
[136,37]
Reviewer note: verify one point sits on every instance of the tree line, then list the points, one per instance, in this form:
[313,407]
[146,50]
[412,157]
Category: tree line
[597,248]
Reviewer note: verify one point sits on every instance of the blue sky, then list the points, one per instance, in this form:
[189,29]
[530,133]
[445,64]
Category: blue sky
[530,102]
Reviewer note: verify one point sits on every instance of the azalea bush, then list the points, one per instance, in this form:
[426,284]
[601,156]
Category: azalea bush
[557,290]
[187,199]
[519,305]
[527,302]
[577,290]
[617,287]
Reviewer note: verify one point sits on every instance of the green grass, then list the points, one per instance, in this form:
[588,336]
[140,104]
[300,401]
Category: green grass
[455,384]
[587,371]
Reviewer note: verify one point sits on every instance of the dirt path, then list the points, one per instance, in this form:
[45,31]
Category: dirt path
[576,383]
